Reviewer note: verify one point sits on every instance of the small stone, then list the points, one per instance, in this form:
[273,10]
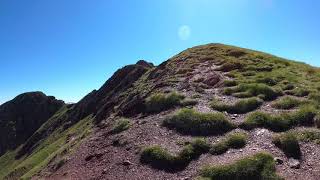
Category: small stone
[127,163]
[278,160]
[293,163]
[89,157]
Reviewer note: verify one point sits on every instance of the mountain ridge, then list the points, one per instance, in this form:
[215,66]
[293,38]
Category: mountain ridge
[141,97]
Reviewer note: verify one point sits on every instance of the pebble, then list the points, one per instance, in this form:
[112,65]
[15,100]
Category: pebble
[293,163]
[127,163]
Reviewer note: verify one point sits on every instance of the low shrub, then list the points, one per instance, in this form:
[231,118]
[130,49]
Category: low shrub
[235,141]
[259,166]
[160,102]
[287,103]
[188,121]
[282,122]
[121,125]
[289,144]
[240,107]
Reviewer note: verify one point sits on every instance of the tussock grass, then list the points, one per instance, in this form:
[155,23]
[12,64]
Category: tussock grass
[240,107]
[230,83]
[268,81]
[231,65]
[235,141]
[259,166]
[309,136]
[315,97]
[160,102]
[281,122]
[287,103]
[288,143]
[254,89]
[299,92]
[189,121]
[159,158]
[121,125]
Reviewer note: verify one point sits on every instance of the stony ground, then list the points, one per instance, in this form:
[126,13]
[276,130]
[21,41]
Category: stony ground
[108,156]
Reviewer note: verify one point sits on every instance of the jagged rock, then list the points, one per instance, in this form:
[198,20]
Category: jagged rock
[212,79]
[278,160]
[145,64]
[294,163]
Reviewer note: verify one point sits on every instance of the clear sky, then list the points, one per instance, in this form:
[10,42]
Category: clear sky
[67,48]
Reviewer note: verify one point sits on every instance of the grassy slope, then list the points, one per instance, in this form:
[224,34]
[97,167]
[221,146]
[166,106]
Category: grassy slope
[50,149]
[253,73]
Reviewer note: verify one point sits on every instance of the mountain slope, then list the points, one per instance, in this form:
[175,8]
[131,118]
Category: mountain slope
[246,106]
[66,128]
[22,116]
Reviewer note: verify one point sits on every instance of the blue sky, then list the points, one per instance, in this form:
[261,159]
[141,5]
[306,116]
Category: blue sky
[67,48]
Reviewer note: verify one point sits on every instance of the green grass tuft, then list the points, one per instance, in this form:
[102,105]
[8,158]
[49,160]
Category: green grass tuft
[241,107]
[254,89]
[288,143]
[299,92]
[188,121]
[309,136]
[282,122]
[230,83]
[160,102]
[260,166]
[235,141]
[121,125]
[159,158]
[268,81]
[287,103]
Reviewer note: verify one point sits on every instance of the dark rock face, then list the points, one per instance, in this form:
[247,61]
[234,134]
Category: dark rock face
[102,102]
[22,116]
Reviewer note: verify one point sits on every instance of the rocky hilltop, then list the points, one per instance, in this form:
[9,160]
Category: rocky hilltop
[22,116]
[211,112]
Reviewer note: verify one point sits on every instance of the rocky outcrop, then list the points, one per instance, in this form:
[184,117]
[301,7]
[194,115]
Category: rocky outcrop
[102,102]
[22,116]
